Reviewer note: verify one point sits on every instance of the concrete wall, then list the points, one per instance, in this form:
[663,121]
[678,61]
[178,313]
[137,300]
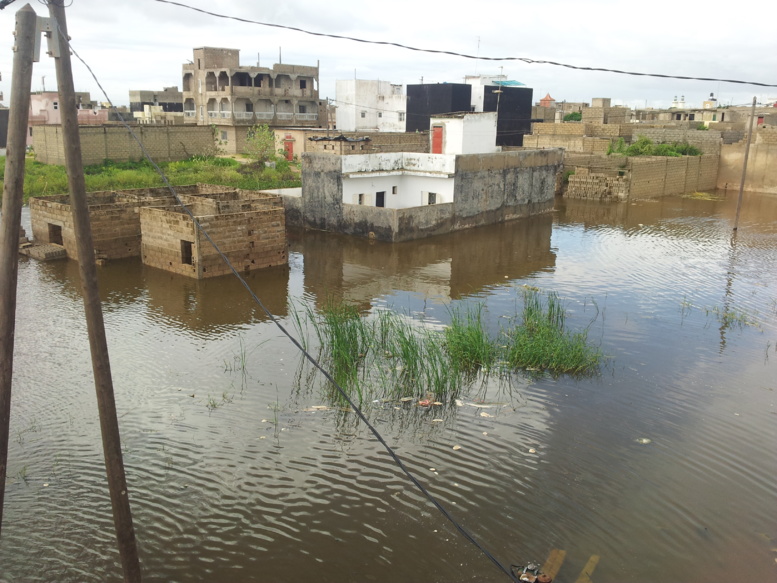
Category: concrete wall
[490,188]
[164,143]
[761,167]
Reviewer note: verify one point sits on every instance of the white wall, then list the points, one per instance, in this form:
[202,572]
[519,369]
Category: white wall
[374,99]
[411,190]
[398,161]
[478,83]
[468,134]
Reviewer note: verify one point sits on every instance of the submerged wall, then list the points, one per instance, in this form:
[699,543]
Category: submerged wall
[487,189]
[761,167]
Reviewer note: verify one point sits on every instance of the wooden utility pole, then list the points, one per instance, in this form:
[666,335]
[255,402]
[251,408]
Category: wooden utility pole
[744,165]
[10,225]
[109,425]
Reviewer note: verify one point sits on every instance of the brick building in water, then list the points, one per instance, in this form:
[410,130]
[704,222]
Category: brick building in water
[248,226]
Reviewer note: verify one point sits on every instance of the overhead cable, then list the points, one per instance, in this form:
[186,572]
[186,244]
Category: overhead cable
[463,55]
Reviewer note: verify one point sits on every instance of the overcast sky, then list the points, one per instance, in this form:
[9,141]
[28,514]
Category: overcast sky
[143,43]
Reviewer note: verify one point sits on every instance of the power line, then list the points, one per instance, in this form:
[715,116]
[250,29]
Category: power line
[296,342]
[463,55]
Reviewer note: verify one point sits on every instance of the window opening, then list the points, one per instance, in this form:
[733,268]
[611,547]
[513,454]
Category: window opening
[186,252]
[55,234]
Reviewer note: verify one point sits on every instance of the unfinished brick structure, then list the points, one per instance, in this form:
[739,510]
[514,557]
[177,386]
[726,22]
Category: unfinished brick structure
[248,226]
[249,230]
[621,178]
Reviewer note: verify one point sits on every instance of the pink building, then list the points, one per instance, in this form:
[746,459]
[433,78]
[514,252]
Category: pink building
[44,110]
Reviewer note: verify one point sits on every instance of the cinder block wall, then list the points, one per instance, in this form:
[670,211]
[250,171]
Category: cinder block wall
[164,143]
[250,240]
[163,230]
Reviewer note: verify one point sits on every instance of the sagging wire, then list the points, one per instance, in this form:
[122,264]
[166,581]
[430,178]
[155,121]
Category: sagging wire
[463,55]
[293,340]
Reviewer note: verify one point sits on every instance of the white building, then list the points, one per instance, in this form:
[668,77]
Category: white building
[463,133]
[364,105]
[405,180]
[479,84]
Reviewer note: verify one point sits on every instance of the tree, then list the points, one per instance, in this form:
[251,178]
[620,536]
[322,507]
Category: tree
[260,143]
[574,116]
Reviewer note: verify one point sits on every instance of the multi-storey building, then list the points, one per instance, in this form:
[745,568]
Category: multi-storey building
[218,91]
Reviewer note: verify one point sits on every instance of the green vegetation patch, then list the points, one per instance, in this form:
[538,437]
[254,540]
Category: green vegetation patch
[48,179]
[644,146]
[390,355]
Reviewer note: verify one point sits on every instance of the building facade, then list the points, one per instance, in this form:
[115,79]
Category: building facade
[170,99]
[218,91]
[366,105]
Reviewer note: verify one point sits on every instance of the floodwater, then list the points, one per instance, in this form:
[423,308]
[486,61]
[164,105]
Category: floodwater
[662,466]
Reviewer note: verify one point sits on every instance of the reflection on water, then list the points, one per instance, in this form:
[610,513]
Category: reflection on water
[446,267]
[241,470]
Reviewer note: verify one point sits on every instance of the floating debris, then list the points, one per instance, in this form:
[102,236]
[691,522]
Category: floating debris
[532,450]
[643,440]
[456,447]
[484,414]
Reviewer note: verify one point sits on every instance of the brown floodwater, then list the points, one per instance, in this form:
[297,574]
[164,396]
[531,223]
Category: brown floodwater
[661,466]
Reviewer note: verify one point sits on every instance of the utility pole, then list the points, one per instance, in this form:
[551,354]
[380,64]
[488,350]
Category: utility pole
[10,224]
[744,165]
[114,465]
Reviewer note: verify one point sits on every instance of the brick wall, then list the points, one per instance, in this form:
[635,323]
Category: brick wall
[164,143]
[707,141]
[556,129]
[597,186]
[642,177]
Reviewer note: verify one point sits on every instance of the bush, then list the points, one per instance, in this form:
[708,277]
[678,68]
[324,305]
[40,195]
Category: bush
[574,116]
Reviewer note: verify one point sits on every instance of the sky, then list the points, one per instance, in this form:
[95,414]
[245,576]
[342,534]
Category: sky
[143,44]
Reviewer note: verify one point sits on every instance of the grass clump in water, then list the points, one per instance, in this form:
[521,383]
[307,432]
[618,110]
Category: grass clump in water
[542,341]
[347,338]
[467,343]
[394,356]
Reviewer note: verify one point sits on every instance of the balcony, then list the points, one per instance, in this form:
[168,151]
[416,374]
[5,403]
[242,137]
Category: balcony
[285,116]
[307,116]
[264,115]
[244,114]
[189,113]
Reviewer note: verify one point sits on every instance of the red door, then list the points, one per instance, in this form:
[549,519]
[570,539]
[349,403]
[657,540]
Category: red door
[436,139]
[289,148]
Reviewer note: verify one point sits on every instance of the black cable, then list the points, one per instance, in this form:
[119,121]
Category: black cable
[464,55]
[294,341]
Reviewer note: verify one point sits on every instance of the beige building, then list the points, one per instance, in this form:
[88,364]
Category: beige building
[218,92]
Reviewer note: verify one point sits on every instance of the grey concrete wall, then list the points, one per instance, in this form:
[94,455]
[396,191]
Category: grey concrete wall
[490,188]
[761,167]
[322,199]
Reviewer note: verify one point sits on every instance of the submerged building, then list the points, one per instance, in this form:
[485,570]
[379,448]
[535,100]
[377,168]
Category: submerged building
[248,227]
[467,181]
